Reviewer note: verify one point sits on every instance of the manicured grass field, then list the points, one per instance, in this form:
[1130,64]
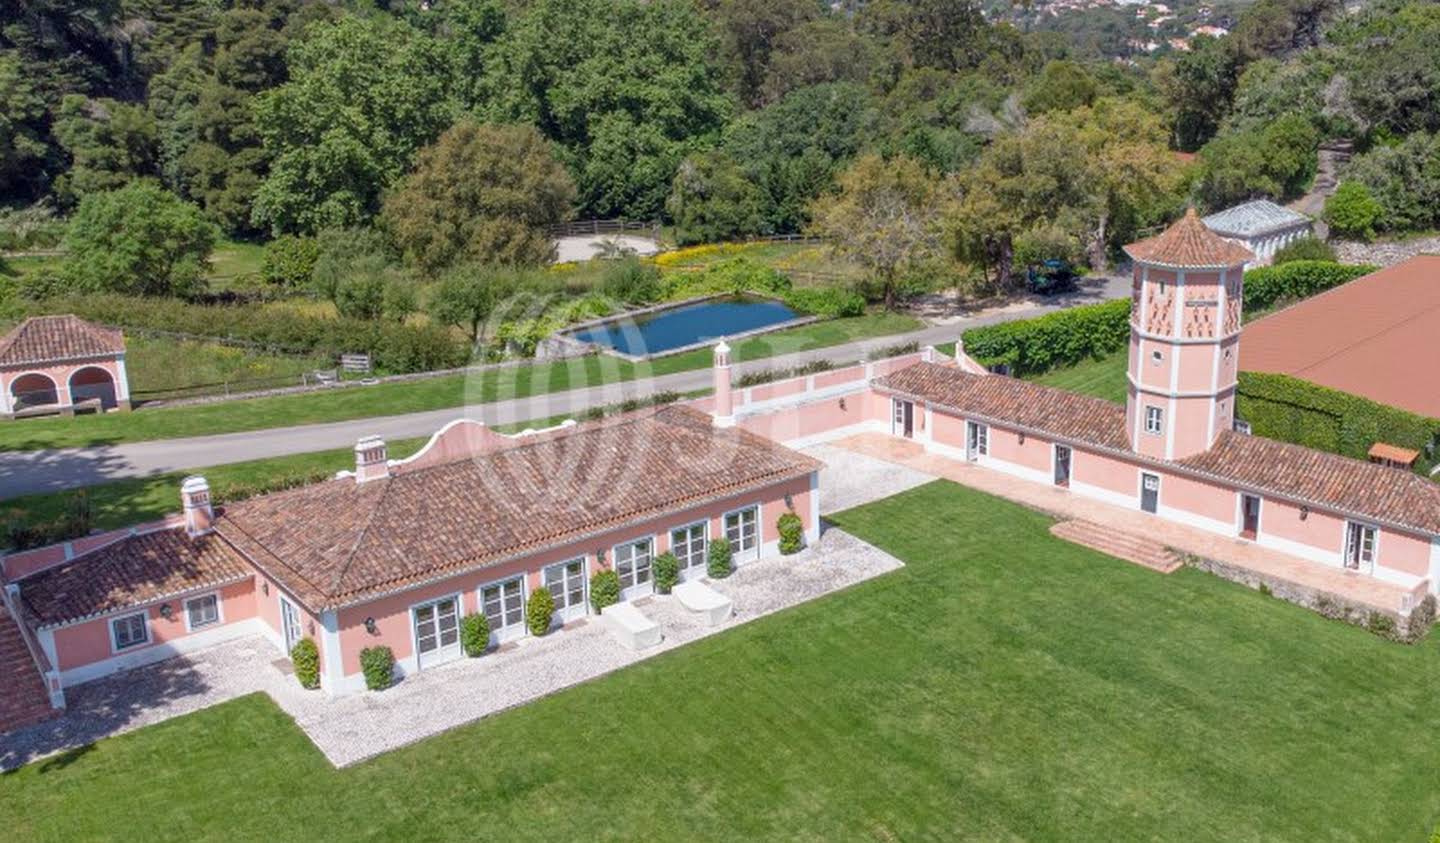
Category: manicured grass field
[415,396]
[1003,686]
[1103,378]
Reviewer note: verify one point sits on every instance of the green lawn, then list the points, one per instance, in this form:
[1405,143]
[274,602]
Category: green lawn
[1003,686]
[415,396]
[156,364]
[1103,378]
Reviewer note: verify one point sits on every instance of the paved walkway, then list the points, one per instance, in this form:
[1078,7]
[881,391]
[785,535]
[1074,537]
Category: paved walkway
[352,728]
[27,472]
[1062,503]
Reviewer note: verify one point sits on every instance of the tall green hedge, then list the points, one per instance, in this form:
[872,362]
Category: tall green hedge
[1271,285]
[1293,410]
[1062,338]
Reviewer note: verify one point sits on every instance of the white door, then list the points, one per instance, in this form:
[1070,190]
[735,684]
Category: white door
[977,440]
[566,582]
[742,529]
[290,624]
[437,632]
[632,563]
[503,603]
[1360,547]
[689,546]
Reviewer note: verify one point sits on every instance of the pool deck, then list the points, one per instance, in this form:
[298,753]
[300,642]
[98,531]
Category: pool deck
[568,333]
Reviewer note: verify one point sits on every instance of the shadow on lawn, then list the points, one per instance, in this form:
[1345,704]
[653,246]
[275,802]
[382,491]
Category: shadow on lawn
[99,709]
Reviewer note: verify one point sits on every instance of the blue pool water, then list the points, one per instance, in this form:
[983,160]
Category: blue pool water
[665,330]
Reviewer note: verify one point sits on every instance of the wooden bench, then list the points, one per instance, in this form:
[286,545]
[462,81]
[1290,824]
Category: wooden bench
[630,626]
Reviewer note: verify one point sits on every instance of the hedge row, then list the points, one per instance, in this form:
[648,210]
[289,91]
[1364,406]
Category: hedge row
[1062,338]
[393,348]
[1293,410]
[746,275]
[1271,285]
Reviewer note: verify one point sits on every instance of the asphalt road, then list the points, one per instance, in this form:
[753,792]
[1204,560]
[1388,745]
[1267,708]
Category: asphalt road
[27,472]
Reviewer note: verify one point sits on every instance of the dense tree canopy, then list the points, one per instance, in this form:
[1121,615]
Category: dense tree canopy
[138,239]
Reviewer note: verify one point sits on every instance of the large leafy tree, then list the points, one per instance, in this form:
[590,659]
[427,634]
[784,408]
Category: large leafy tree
[713,200]
[1276,161]
[944,34]
[23,148]
[750,30]
[141,239]
[626,88]
[885,217]
[481,192]
[109,143]
[826,49]
[363,96]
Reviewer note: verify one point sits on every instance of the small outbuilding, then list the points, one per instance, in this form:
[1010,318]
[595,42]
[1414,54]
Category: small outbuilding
[61,364]
[1260,226]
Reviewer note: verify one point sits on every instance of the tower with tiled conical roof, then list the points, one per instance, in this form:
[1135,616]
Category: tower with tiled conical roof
[1184,339]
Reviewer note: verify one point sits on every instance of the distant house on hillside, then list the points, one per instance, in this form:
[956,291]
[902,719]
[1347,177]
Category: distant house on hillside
[1260,226]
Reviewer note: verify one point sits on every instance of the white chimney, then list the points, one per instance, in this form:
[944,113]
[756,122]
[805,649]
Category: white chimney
[371,460]
[195,501]
[724,414]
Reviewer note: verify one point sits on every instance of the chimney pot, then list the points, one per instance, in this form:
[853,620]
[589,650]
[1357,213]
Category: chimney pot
[724,414]
[195,501]
[372,460]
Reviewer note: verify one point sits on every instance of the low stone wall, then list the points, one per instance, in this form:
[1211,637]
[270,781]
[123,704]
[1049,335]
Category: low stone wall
[1406,628]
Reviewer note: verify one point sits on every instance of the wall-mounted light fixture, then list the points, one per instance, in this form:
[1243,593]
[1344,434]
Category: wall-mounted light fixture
[165,611]
[311,627]
[1022,437]
[370,626]
[600,557]
[789,502]
[1304,512]
[842,404]
[265,587]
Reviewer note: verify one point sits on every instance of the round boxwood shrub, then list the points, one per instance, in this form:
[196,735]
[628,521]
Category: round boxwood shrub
[305,656]
[667,572]
[475,634]
[378,665]
[539,609]
[792,533]
[604,589]
[721,561]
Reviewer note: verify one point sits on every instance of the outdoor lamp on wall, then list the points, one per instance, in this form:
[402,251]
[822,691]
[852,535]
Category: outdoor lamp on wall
[369,626]
[311,627]
[265,587]
[1022,437]
[166,611]
[789,502]
[842,404]
[1304,512]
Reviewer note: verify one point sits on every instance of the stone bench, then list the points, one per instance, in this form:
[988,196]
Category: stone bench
[698,597]
[630,626]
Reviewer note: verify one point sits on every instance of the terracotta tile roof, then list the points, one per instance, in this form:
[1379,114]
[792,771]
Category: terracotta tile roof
[1189,244]
[44,338]
[338,542]
[1078,418]
[1328,480]
[1373,337]
[131,572]
[1394,453]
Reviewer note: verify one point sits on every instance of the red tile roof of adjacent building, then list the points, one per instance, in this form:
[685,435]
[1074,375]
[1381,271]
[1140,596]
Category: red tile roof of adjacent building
[133,571]
[1375,337]
[42,339]
[1316,478]
[341,542]
[1189,244]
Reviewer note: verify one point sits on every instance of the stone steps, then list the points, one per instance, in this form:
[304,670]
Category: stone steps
[23,698]
[1131,548]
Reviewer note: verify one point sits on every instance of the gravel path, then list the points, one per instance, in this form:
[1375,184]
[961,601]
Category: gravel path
[355,727]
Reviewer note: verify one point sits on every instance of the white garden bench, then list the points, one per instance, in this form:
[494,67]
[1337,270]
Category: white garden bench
[698,597]
[631,627]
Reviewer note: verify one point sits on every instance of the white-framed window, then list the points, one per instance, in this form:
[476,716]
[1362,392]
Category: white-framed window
[742,529]
[688,545]
[202,611]
[1154,420]
[503,603]
[633,562]
[128,631]
[977,439]
[1242,426]
[1361,541]
[1157,358]
[566,583]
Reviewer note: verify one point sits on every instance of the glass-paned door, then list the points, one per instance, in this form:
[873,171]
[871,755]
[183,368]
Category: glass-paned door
[688,545]
[1360,547]
[566,582]
[977,440]
[742,529]
[503,603]
[437,631]
[904,419]
[632,563]
[290,624]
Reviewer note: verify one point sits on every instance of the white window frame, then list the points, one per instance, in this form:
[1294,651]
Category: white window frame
[1242,426]
[1156,414]
[115,646]
[1374,546]
[704,525]
[735,548]
[219,611]
[508,629]
[982,439]
[569,608]
[438,652]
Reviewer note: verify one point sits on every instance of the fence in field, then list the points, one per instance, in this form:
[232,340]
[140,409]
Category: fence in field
[599,228]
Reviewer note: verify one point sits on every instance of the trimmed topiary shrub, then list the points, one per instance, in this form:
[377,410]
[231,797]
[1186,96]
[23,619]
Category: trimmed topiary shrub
[475,634]
[604,589]
[378,665]
[720,561]
[539,610]
[792,533]
[305,656]
[667,572]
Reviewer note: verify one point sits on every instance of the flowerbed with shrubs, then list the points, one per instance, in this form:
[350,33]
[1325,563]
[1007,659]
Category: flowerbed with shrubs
[378,665]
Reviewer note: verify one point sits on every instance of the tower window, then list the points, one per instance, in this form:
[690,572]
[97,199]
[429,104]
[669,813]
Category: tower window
[1154,420]
[1157,357]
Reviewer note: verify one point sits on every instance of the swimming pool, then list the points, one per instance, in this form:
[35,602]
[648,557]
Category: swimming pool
[698,323]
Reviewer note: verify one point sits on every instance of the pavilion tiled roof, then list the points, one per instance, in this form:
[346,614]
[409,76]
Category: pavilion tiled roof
[1258,216]
[1006,400]
[340,542]
[131,572]
[43,339]
[1189,244]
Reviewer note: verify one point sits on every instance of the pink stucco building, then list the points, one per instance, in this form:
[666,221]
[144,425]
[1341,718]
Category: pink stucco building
[395,552]
[59,364]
